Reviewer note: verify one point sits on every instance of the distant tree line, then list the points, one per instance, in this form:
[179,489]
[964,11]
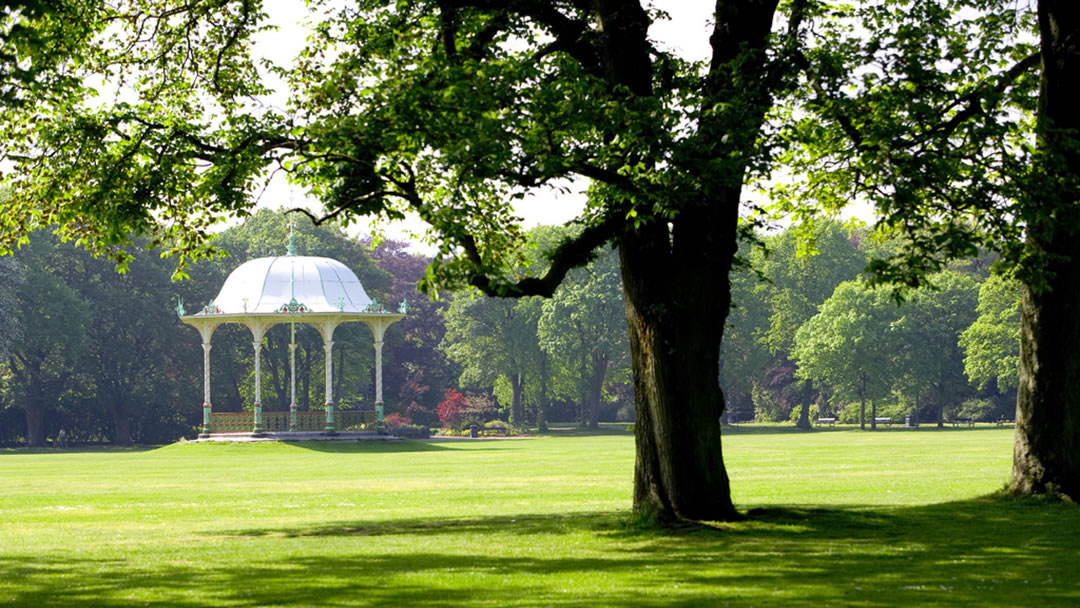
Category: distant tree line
[808,336]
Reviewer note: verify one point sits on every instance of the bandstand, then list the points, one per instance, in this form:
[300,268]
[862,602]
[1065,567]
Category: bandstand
[290,289]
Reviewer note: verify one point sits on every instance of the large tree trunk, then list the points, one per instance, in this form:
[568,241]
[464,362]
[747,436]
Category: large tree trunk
[676,325]
[1046,450]
[675,269]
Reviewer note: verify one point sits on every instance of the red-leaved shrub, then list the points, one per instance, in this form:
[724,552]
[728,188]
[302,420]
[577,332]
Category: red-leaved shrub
[452,409]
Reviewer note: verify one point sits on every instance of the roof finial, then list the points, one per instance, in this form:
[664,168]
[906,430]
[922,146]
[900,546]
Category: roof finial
[292,238]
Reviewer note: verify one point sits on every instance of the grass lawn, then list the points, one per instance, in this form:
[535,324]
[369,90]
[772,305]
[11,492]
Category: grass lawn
[841,517]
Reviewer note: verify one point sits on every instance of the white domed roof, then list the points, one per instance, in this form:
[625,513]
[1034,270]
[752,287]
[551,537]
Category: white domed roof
[266,285]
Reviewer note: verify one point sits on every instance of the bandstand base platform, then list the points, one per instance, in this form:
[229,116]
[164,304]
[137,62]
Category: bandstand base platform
[296,436]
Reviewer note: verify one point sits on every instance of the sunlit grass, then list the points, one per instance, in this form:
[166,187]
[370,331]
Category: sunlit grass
[840,517]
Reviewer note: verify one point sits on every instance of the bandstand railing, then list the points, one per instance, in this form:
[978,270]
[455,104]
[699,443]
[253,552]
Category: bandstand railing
[278,422]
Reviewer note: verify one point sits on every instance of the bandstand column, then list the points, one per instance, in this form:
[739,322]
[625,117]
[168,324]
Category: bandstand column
[257,427]
[257,332]
[292,374]
[379,427]
[206,330]
[206,390]
[328,346]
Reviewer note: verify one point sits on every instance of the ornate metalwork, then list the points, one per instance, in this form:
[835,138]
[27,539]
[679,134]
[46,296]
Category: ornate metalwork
[374,306]
[278,422]
[210,309]
[180,307]
[293,306]
[341,303]
[404,308]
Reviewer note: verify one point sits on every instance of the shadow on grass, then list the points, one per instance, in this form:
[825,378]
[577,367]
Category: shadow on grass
[971,553]
[370,447]
[90,449]
[770,429]
[605,429]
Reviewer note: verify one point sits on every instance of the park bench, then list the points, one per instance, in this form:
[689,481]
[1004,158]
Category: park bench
[886,420]
[828,421]
[478,431]
[959,421]
[1004,421]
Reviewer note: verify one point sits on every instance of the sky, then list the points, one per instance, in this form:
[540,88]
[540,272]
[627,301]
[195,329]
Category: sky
[686,33]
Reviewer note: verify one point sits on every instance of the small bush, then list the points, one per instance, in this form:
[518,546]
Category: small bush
[411,431]
[977,409]
[451,409]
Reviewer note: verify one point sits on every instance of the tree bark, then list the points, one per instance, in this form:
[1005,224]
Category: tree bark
[121,423]
[35,421]
[33,406]
[804,414]
[675,269]
[862,402]
[1046,450]
[675,327]
[596,388]
[517,388]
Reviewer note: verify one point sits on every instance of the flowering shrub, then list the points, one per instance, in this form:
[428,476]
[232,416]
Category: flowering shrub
[452,409]
[394,421]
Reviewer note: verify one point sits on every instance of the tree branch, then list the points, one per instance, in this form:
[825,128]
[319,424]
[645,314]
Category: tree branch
[234,35]
[973,100]
[569,33]
[480,42]
[571,253]
[318,221]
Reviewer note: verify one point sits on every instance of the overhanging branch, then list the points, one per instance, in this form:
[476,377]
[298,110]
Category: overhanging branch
[571,253]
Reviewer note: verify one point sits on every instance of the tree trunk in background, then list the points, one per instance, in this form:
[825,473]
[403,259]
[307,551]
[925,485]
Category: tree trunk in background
[276,376]
[596,389]
[121,422]
[804,415]
[862,402]
[35,421]
[541,405]
[1046,450]
[517,387]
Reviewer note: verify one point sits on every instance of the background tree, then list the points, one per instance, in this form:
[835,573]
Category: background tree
[927,337]
[991,344]
[803,265]
[42,361]
[744,356]
[492,338]
[583,324]
[140,378]
[850,345]
[418,362]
